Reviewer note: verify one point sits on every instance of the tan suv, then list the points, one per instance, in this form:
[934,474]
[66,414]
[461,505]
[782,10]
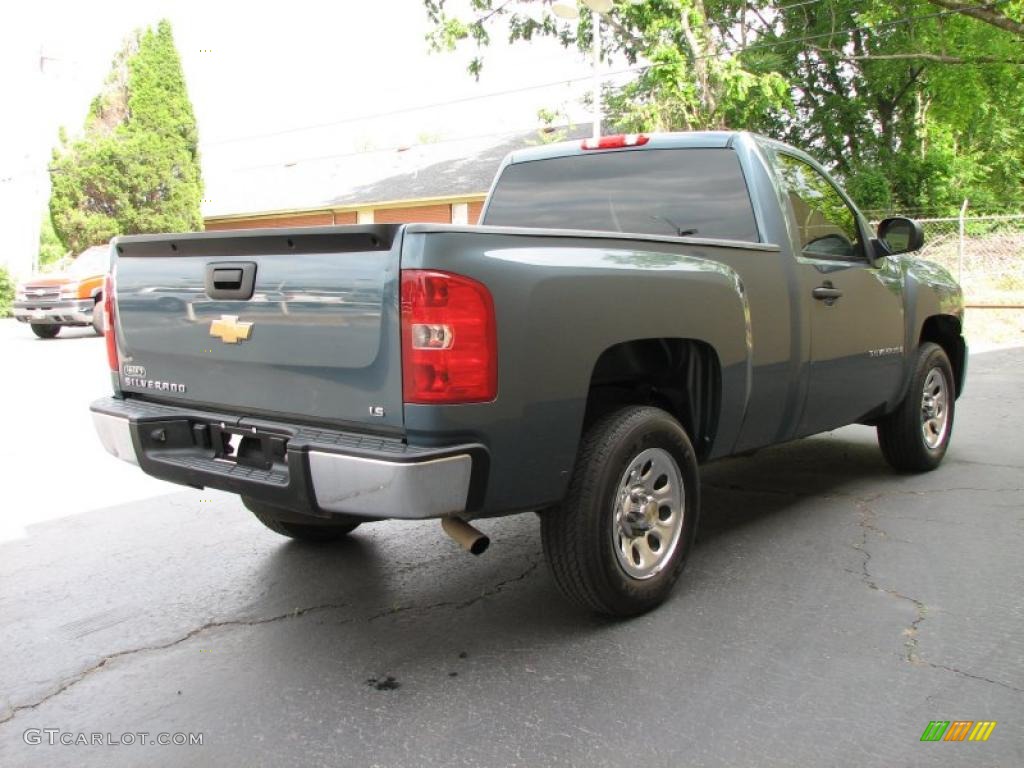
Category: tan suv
[73,297]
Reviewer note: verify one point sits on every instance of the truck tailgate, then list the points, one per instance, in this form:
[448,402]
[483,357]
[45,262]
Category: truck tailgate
[299,323]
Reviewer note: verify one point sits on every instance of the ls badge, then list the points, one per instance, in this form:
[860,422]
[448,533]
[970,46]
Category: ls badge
[229,330]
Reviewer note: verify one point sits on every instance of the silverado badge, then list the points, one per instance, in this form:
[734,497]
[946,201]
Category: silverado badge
[229,330]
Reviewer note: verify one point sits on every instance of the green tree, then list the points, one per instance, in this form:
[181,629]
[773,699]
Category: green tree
[691,83]
[51,249]
[135,168]
[916,104]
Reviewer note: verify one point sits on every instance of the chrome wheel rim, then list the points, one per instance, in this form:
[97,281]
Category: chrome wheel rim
[934,409]
[649,510]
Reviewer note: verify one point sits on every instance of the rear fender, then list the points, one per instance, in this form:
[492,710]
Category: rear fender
[560,302]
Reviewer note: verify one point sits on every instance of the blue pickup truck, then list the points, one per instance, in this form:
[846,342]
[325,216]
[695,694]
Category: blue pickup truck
[630,307]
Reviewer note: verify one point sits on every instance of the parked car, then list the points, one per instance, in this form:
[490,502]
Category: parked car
[630,307]
[70,298]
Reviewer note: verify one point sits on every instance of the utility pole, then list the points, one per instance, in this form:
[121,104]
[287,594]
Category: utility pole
[595,21]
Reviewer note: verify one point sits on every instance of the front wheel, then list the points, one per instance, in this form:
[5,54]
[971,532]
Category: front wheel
[45,331]
[97,318]
[618,542]
[318,533]
[914,437]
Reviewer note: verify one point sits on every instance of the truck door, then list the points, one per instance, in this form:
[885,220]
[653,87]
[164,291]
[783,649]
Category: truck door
[854,310]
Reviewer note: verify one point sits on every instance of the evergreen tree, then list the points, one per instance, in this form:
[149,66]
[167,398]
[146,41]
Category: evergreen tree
[135,168]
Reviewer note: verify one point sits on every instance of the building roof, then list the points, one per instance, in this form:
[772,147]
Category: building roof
[446,168]
[459,176]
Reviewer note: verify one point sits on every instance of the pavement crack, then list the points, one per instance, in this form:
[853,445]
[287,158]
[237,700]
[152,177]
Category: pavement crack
[103,662]
[499,586]
[911,646]
[868,525]
[455,604]
[972,676]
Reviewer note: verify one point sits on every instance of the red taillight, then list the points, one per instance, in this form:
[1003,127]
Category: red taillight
[449,343]
[616,142]
[109,313]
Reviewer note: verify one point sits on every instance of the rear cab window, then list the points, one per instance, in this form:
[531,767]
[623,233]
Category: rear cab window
[666,192]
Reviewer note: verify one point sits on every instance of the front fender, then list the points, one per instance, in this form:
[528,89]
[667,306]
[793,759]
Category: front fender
[929,291]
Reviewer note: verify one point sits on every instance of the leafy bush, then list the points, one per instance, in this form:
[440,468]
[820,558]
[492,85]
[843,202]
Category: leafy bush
[6,292]
[51,250]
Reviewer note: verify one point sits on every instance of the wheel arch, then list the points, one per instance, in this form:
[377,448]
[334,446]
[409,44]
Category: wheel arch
[683,376]
[946,331]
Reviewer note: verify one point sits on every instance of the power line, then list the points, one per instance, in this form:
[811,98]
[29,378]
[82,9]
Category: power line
[398,111]
[375,150]
[865,28]
[587,77]
[569,81]
[449,103]
[625,70]
[796,5]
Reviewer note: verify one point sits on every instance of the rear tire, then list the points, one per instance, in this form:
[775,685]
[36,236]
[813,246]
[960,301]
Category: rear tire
[618,542]
[45,331]
[318,533]
[915,436]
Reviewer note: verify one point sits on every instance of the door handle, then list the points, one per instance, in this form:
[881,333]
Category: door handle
[826,293]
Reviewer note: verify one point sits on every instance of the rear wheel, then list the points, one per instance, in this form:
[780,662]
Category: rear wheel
[619,541]
[915,436]
[45,331]
[271,516]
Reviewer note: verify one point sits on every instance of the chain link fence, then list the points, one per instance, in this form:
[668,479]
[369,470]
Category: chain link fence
[984,253]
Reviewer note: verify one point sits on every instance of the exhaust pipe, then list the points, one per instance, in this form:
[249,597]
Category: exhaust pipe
[465,535]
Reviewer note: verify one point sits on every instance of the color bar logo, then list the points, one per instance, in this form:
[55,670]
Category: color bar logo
[958,730]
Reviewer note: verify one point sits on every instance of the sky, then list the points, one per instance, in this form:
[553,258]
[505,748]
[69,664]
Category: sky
[259,74]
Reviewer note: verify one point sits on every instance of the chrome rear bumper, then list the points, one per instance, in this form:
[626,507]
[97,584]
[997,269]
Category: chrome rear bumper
[376,488]
[319,472]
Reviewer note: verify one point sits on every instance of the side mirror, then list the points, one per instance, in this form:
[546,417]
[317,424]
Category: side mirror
[900,235]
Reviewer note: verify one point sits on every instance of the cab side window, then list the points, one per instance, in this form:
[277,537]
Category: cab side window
[826,224]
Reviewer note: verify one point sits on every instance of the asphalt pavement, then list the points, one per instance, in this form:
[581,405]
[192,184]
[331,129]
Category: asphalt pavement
[830,611]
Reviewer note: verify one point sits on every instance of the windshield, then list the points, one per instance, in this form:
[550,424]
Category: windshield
[93,261]
[675,192]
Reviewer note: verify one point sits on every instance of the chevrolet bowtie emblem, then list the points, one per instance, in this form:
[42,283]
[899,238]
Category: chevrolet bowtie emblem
[229,330]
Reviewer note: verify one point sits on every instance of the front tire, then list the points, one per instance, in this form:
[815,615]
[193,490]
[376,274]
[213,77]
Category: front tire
[97,318]
[45,331]
[915,436]
[318,533]
[618,542]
